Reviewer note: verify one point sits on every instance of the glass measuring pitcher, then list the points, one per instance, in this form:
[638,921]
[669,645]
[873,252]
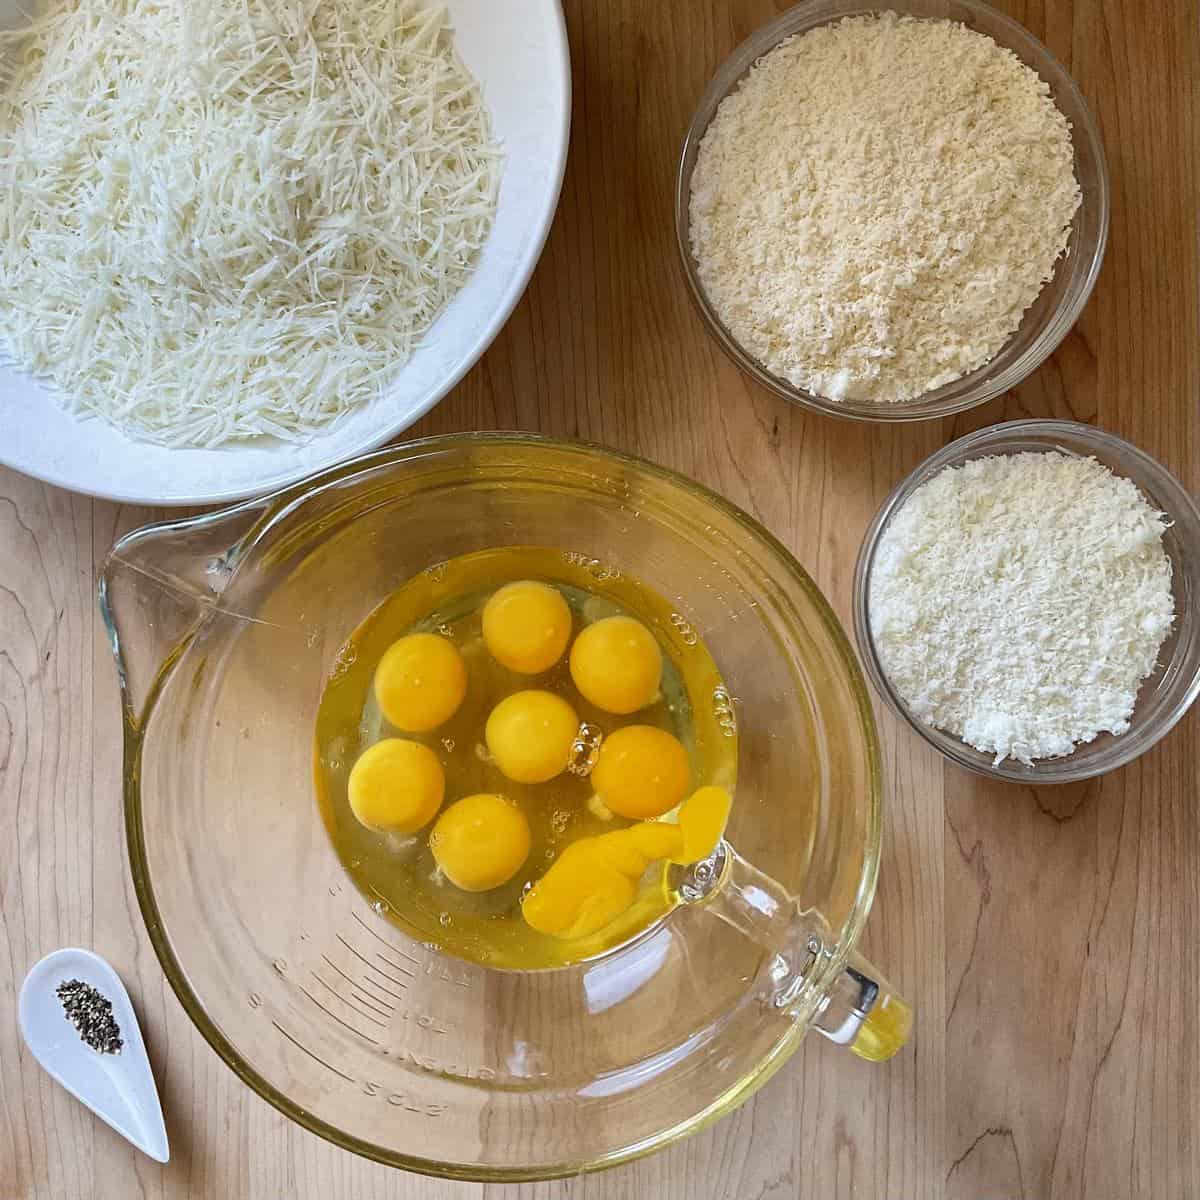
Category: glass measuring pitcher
[225,628]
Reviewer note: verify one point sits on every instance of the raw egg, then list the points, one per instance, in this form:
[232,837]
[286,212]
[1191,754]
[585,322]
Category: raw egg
[617,665]
[584,890]
[702,819]
[641,772]
[471,738]
[420,682]
[480,842]
[530,734]
[595,879]
[526,626]
[658,839]
[396,786]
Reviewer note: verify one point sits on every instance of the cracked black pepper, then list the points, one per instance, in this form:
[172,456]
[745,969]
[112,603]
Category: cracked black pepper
[90,1011]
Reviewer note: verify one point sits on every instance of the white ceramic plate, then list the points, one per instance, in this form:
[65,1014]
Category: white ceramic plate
[518,51]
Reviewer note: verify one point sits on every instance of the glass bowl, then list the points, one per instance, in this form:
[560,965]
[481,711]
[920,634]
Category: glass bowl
[1053,313]
[226,627]
[1164,697]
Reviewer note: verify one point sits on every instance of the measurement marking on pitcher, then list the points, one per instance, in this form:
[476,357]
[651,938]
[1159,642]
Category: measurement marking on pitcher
[339,996]
[339,1020]
[302,1046]
[391,978]
[378,987]
[394,949]
[435,968]
[382,987]
[396,966]
[361,986]
[367,962]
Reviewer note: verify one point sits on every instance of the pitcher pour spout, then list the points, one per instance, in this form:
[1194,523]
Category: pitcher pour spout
[851,1004]
[157,585]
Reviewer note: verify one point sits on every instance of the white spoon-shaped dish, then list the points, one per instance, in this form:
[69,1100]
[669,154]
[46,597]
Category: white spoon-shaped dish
[118,1088]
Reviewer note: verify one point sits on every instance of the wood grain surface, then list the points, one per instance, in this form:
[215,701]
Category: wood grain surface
[1048,939]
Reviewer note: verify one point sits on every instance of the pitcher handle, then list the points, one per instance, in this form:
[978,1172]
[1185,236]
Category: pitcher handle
[859,1008]
[863,1011]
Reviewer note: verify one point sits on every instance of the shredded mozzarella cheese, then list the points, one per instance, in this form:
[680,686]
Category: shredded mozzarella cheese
[223,219]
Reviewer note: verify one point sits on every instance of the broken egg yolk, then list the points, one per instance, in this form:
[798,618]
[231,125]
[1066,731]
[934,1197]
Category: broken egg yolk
[396,786]
[702,818]
[616,665]
[641,772]
[526,626]
[592,882]
[595,879]
[529,736]
[420,682]
[480,842]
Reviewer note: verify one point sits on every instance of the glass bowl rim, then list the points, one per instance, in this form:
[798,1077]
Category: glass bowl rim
[956,396]
[1047,772]
[276,506]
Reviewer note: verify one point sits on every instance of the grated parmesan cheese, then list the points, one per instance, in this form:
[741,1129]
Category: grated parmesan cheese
[1018,602]
[221,219]
[878,203]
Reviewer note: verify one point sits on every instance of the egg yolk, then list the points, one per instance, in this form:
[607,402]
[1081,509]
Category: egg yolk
[641,772]
[526,626]
[396,786]
[595,879]
[530,734]
[702,819]
[585,889]
[420,682]
[617,665]
[480,842]
[658,839]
